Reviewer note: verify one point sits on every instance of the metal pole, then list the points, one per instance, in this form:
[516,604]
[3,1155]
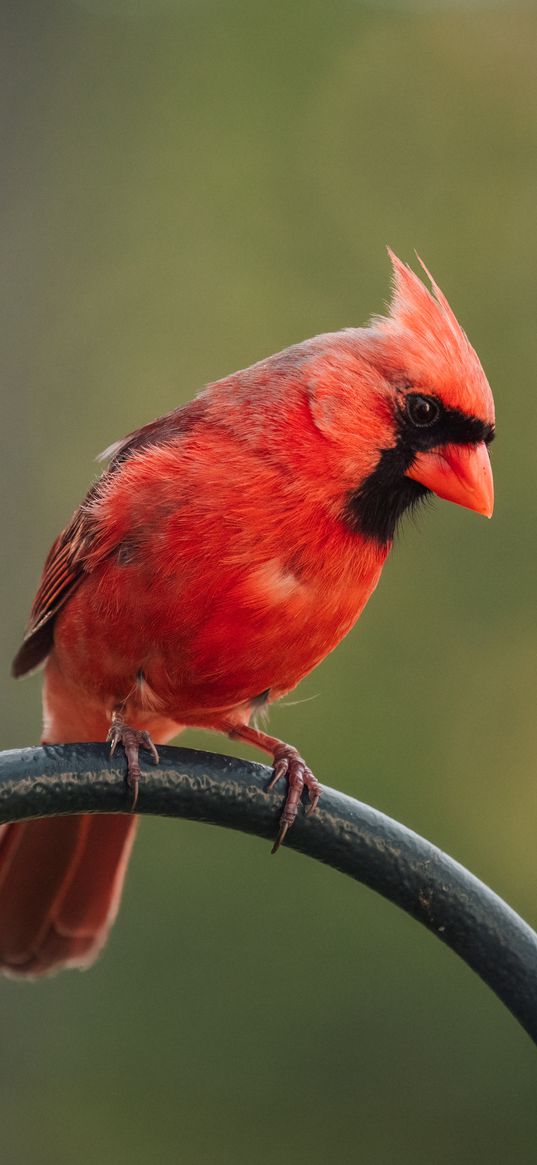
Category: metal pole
[343,833]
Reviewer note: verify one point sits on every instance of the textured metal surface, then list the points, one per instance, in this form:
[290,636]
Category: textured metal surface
[343,833]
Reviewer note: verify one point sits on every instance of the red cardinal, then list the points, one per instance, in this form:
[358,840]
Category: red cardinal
[228,547]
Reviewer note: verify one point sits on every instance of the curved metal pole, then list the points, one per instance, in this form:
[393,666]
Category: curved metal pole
[343,833]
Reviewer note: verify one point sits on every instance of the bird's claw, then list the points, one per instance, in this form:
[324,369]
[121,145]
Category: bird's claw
[132,739]
[284,826]
[313,802]
[149,743]
[280,770]
[288,763]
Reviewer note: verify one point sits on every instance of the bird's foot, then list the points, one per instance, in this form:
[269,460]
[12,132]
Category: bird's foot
[288,763]
[132,739]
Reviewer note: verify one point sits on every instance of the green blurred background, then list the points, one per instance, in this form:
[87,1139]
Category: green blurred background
[186,187]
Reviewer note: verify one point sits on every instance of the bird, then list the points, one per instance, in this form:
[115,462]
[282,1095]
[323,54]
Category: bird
[226,549]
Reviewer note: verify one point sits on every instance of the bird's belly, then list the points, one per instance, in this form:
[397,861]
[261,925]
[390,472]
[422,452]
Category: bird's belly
[266,631]
[186,656]
[241,653]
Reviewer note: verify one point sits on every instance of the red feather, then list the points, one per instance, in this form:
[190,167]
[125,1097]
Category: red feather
[225,551]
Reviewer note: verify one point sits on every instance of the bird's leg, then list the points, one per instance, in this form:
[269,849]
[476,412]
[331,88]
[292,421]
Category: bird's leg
[132,740]
[287,763]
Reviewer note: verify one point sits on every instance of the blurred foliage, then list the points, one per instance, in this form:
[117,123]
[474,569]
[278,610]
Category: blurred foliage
[188,186]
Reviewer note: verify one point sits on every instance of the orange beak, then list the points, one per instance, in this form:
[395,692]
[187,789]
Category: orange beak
[459,473]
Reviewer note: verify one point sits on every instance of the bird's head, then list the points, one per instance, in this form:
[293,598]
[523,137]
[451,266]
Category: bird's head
[425,413]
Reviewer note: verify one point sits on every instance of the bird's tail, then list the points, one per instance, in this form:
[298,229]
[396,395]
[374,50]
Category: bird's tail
[60,887]
[61,878]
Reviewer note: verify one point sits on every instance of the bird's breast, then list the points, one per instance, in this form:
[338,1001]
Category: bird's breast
[210,624]
[272,622]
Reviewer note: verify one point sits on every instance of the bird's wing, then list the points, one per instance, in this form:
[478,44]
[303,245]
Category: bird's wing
[62,572]
[65,565]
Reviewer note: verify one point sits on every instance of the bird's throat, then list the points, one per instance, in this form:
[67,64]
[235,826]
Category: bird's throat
[379,503]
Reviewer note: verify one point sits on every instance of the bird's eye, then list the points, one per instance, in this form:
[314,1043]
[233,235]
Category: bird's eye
[422,410]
